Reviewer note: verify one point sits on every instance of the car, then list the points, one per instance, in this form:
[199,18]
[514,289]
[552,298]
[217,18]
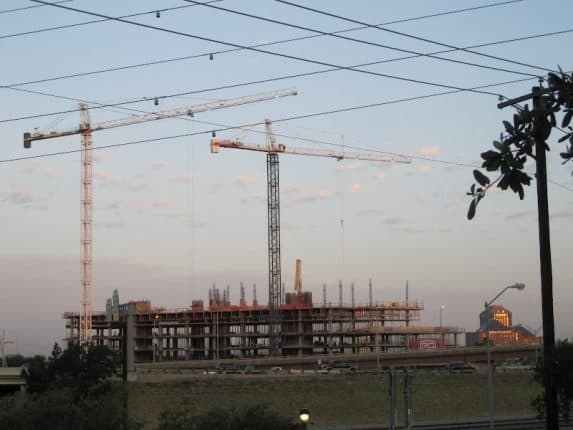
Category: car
[276,369]
[461,367]
[252,370]
[227,368]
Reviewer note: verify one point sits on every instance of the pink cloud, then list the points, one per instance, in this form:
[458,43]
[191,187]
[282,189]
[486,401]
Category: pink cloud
[356,189]
[188,177]
[428,151]
[161,202]
[247,180]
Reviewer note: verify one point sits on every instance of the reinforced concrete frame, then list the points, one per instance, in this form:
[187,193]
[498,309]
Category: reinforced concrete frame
[224,332]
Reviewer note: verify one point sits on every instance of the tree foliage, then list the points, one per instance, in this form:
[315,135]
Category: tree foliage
[69,390]
[81,368]
[56,410]
[516,144]
[258,417]
[563,377]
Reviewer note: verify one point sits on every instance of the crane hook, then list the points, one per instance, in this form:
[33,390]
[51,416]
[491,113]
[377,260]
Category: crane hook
[158,14]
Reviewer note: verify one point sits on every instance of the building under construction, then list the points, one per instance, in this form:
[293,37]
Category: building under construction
[222,331]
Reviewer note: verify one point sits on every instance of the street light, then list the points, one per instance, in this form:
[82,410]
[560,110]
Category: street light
[304,417]
[517,286]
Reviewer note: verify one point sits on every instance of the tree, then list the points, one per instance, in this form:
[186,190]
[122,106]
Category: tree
[513,149]
[526,138]
[81,368]
[258,417]
[69,390]
[564,372]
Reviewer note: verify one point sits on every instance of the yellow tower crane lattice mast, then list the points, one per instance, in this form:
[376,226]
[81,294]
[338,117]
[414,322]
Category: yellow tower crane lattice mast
[86,200]
[273,208]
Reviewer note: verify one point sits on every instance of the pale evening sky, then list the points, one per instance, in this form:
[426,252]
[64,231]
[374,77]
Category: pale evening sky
[170,218]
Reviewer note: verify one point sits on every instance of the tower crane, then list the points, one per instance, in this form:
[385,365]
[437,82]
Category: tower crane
[86,129]
[273,208]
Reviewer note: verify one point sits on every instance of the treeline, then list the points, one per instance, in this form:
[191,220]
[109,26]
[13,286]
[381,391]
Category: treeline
[74,389]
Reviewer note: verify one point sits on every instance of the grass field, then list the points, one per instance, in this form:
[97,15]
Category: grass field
[334,400]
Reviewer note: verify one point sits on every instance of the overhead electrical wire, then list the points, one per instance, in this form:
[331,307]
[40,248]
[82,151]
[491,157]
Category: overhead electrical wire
[112,69]
[30,7]
[262,51]
[410,36]
[292,118]
[207,54]
[361,41]
[434,15]
[79,24]
[249,127]
[179,94]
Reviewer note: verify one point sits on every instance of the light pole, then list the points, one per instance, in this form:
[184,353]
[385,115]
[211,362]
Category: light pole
[304,417]
[442,308]
[155,341]
[518,286]
[442,337]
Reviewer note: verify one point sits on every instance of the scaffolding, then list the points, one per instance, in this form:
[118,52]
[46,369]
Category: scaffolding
[224,331]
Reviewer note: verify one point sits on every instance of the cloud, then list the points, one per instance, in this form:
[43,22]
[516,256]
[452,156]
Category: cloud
[303,196]
[425,230]
[188,177]
[292,190]
[356,189]
[38,169]
[395,220]
[291,225]
[245,181]
[350,167]
[100,155]
[369,212]
[22,198]
[161,202]
[129,203]
[257,196]
[563,214]
[110,223]
[428,151]
[138,187]
[100,174]
[185,215]
[160,164]
[517,215]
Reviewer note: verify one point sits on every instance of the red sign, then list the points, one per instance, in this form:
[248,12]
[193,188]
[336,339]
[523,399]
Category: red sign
[426,343]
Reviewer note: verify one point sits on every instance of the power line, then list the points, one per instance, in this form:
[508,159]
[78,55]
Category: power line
[79,24]
[411,36]
[292,118]
[206,54]
[276,54]
[180,94]
[361,41]
[31,7]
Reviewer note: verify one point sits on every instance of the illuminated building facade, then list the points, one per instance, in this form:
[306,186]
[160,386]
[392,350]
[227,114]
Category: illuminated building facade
[496,325]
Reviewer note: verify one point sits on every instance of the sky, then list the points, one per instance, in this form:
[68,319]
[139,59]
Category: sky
[171,219]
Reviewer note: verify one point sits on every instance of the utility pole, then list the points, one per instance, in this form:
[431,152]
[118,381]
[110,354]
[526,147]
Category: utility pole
[392,392]
[551,405]
[408,399]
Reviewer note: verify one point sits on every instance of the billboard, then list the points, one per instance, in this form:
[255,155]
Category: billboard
[426,343]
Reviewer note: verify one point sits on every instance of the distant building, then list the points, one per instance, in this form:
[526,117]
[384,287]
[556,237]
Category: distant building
[497,326]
